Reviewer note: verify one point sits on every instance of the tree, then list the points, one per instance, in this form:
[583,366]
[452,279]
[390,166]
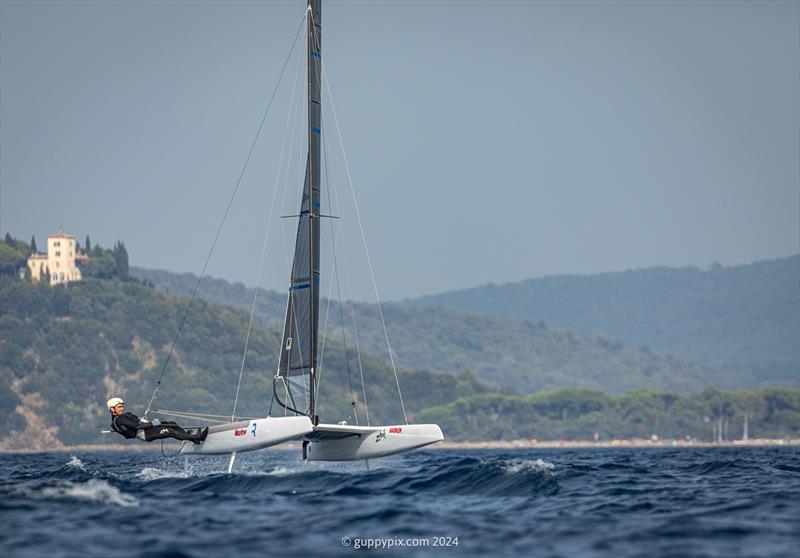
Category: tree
[34,249]
[9,240]
[121,260]
[87,245]
[11,259]
[100,265]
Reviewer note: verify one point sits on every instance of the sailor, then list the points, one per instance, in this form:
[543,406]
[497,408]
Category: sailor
[131,426]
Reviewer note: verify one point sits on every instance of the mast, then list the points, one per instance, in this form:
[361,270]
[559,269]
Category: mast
[297,368]
[314,27]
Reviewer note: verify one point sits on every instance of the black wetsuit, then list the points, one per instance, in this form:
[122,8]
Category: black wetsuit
[129,426]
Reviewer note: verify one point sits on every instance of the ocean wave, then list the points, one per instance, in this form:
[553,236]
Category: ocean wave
[485,477]
[152,473]
[75,463]
[720,466]
[94,490]
[457,475]
[519,466]
[279,471]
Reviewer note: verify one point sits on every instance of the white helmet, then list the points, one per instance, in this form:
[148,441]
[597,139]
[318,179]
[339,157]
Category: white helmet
[113,402]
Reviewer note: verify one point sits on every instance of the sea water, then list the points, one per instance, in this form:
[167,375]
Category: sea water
[742,501]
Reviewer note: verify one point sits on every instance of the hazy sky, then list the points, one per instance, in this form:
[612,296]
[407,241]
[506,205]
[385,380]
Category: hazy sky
[488,141]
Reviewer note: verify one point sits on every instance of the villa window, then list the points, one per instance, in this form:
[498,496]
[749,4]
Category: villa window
[58,253]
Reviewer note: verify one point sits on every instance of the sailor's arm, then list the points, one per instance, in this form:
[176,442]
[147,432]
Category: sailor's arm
[129,420]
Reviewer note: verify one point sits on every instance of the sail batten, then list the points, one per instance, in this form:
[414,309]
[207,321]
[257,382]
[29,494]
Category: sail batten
[298,359]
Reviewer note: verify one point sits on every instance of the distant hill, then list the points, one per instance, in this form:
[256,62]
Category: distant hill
[524,356]
[742,319]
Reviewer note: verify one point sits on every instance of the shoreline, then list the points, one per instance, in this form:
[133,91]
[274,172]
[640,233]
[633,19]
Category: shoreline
[633,443]
[493,444]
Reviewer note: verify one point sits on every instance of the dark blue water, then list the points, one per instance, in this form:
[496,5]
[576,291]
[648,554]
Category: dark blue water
[567,502]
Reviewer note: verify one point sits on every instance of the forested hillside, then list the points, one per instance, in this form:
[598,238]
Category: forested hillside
[65,350]
[578,413]
[743,320]
[522,355]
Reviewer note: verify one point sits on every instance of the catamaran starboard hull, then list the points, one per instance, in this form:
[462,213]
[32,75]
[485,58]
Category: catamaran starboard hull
[248,435]
[335,442]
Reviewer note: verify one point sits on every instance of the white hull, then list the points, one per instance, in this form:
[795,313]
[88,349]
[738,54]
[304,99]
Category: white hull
[334,442]
[250,435]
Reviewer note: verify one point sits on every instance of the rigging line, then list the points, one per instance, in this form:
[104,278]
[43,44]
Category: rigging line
[348,282]
[296,116]
[263,254]
[334,273]
[294,105]
[324,332]
[195,415]
[271,401]
[289,120]
[318,62]
[364,241]
[255,292]
[358,353]
[355,324]
[336,277]
[222,223]
[328,188]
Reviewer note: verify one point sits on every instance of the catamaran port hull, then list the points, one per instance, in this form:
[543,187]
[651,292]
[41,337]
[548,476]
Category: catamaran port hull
[336,442]
[248,435]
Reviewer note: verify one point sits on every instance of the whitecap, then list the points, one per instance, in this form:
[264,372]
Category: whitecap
[151,473]
[537,466]
[281,471]
[75,463]
[94,491]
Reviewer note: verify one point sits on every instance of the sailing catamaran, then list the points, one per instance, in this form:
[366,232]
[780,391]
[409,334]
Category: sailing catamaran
[296,383]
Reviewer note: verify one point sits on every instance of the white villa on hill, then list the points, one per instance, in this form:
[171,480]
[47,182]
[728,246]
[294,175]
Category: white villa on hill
[62,252]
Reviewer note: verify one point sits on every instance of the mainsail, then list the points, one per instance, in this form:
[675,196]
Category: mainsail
[295,384]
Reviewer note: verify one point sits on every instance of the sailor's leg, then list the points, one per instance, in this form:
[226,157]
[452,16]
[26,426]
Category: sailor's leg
[159,432]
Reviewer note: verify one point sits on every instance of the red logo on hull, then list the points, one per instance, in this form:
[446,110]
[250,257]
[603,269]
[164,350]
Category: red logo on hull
[395,430]
[240,432]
